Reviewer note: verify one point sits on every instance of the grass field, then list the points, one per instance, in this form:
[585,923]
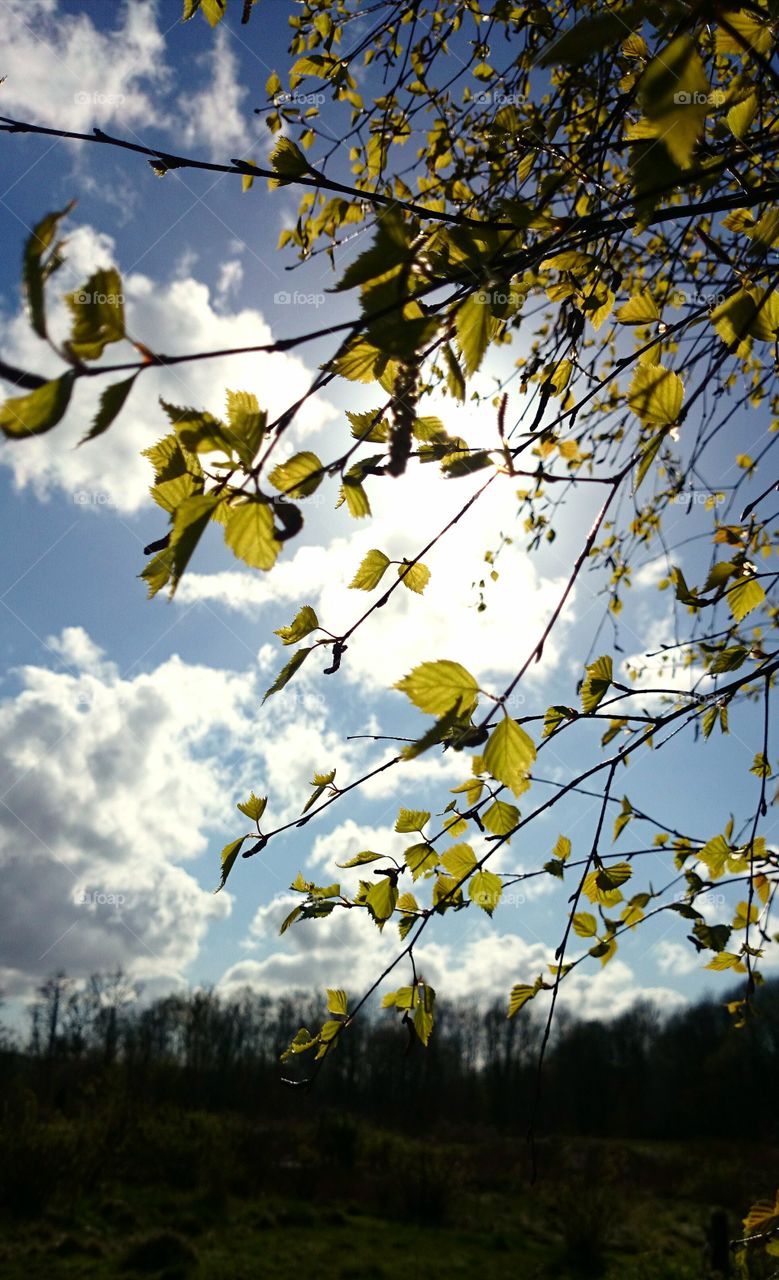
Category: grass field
[204,1196]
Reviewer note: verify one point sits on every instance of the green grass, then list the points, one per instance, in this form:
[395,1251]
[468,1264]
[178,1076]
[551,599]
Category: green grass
[337,1201]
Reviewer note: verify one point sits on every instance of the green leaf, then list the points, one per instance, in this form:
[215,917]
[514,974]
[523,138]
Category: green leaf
[98,314]
[656,395]
[744,596]
[598,678]
[521,993]
[35,272]
[437,687]
[288,671]
[39,411]
[674,93]
[299,477]
[381,899]
[584,924]
[475,325]
[484,889]
[455,380]
[249,533]
[562,849]
[254,807]
[424,1001]
[157,572]
[640,309]
[371,571]
[360,859]
[459,861]
[337,1002]
[189,521]
[111,402]
[415,576]
[411,820]
[304,622]
[501,818]
[228,857]
[294,915]
[420,859]
[355,497]
[509,753]
[555,716]
[288,161]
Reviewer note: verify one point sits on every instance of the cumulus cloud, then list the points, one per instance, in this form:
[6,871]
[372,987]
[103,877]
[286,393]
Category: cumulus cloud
[176,316]
[215,117]
[62,71]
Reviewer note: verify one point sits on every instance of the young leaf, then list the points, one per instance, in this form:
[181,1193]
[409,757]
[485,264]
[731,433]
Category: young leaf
[656,395]
[509,754]
[411,820]
[370,572]
[288,671]
[500,818]
[35,272]
[415,576]
[596,683]
[38,412]
[111,402]
[254,807]
[304,622]
[228,857]
[299,477]
[437,687]
[485,888]
[249,533]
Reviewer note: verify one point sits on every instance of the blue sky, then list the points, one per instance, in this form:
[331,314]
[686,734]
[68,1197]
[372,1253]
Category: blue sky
[130,728]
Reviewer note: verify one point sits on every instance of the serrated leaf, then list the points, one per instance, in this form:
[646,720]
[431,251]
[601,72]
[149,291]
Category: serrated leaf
[248,532]
[598,679]
[485,889]
[360,859]
[294,915]
[459,861]
[337,1002]
[288,671]
[509,753]
[381,899]
[288,161]
[640,309]
[475,325]
[299,477]
[228,857]
[424,1001]
[190,519]
[371,571]
[521,992]
[111,402]
[98,314]
[501,817]
[744,596]
[304,622]
[656,394]
[437,687]
[254,807]
[415,577]
[39,411]
[411,820]
[584,924]
[420,859]
[353,494]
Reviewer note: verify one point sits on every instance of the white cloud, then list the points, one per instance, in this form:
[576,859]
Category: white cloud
[172,317]
[216,116]
[62,71]
[672,957]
